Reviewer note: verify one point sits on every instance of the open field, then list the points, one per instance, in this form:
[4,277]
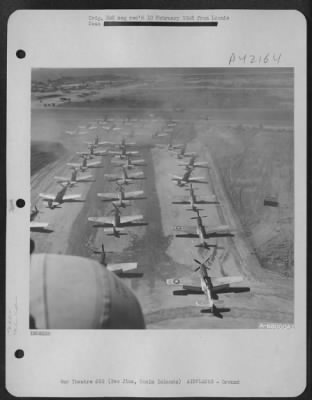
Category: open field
[247,141]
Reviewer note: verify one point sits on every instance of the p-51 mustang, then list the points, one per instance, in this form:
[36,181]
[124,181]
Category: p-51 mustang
[96,142]
[74,178]
[186,178]
[125,179]
[122,198]
[208,286]
[193,200]
[193,163]
[183,153]
[129,163]
[120,269]
[85,164]
[203,232]
[60,197]
[114,225]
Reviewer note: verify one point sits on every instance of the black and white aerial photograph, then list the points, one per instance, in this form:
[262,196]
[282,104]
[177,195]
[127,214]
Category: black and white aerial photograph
[162,198]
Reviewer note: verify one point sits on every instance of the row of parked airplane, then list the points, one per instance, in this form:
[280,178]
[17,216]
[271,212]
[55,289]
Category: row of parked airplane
[116,224]
[112,225]
[208,286]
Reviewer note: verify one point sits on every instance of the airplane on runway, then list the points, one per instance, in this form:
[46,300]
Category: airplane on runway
[122,198]
[74,178]
[119,269]
[129,163]
[114,225]
[208,286]
[125,179]
[203,232]
[85,164]
[193,200]
[186,178]
[96,142]
[183,153]
[192,163]
[60,197]
[92,152]
[37,226]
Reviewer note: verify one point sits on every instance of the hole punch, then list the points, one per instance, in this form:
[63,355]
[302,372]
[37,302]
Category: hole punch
[20,203]
[20,54]
[19,353]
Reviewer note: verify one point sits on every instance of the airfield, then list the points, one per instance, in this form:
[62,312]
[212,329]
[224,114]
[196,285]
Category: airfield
[159,254]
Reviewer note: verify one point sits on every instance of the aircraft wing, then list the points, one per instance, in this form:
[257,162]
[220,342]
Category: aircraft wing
[225,280]
[136,175]
[217,230]
[206,199]
[93,163]
[76,165]
[130,218]
[181,200]
[83,153]
[71,197]
[186,231]
[122,267]
[106,221]
[47,196]
[176,177]
[114,152]
[198,179]
[61,178]
[138,162]
[108,196]
[83,178]
[100,152]
[201,164]
[185,284]
[34,224]
[133,195]
[132,152]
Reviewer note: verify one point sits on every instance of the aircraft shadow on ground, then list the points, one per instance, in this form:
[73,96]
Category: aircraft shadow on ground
[130,274]
[185,292]
[217,312]
[42,230]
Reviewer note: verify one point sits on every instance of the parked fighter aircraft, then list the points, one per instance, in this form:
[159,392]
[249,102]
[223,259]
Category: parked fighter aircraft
[203,232]
[114,225]
[92,152]
[193,200]
[122,198]
[96,142]
[74,178]
[54,200]
[129,163]
[183,153]
[208,286]
[192,163]
[186,178]
[85,164]
[120,269]
[125,179]
[34,225]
